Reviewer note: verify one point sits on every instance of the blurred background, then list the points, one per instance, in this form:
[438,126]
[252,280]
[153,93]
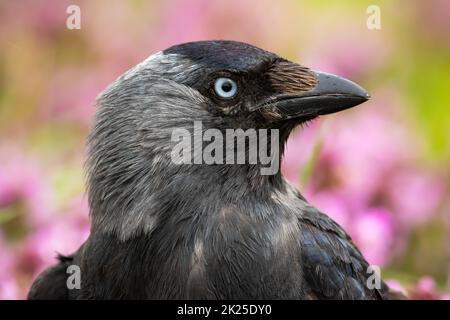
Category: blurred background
[381,170]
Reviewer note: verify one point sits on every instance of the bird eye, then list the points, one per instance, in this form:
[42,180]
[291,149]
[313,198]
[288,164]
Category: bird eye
[225,88]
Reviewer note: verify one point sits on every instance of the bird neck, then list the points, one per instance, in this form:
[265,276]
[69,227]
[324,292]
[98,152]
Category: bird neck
[129,193]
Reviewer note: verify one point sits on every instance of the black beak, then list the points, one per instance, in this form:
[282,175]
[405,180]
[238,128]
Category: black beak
[330,94]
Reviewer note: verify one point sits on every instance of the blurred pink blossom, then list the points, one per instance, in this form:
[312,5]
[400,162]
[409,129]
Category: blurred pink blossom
[362,147]
[373,232]
[424,289]
[298,150]
[241,21]
[8,286]
[22,180]
[434,17]
[44,17]
[9,290]
[63,236]
[335,207]
[71,95]
[349,50]
[414,195]
[396,286]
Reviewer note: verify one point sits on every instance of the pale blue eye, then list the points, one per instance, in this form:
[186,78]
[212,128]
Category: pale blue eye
[225,88]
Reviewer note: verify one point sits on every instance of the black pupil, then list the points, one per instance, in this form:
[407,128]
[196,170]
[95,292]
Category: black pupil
[226,86]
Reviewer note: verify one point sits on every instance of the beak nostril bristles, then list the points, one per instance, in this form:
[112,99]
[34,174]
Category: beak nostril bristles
[330,94]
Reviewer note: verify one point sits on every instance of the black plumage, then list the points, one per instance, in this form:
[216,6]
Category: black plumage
[198,231]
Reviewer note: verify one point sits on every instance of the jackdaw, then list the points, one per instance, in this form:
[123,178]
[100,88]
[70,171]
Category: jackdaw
[166,230]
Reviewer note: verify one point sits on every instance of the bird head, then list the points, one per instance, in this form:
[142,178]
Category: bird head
[253,87]
[223,84]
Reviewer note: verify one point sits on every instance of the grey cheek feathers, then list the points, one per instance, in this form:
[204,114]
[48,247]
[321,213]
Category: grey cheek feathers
[129,146]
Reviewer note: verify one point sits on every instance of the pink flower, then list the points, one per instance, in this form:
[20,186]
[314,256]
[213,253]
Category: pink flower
[8,285]
[334,206]
[373,232]
[45,18]
[63,236]
[396,286]
[363,147]
[21,180]
[298,150]
[203,19]
[357,53]
[71,95]
[424,289]
[414,195]
[5,257]
[426,284]
[9,290]
[434,18]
